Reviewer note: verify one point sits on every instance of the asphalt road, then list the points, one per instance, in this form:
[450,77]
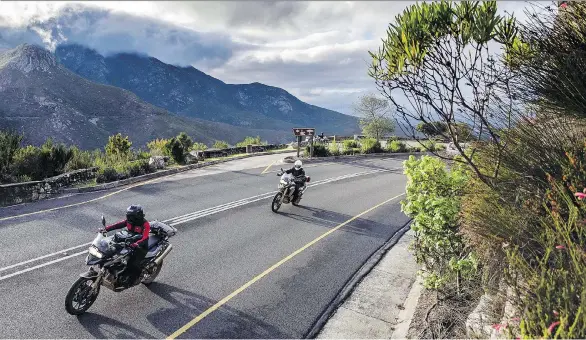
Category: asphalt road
[229,238]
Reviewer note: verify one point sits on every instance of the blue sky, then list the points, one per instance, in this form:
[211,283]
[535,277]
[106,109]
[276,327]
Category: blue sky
[317,50]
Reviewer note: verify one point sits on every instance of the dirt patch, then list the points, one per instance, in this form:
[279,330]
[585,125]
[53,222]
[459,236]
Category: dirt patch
[443,314]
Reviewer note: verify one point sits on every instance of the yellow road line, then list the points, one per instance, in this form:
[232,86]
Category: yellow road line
[268,167]
[269,270]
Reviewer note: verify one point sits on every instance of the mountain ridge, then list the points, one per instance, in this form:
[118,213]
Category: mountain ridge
[42,98]
[190,92]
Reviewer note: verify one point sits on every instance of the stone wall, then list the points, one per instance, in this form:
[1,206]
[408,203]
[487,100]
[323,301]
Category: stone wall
[31,191]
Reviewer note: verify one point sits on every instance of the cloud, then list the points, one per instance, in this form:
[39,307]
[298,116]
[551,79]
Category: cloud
[109,31]
[316,50]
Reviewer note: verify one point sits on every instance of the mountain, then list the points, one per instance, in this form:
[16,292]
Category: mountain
[192,93]
[41,98]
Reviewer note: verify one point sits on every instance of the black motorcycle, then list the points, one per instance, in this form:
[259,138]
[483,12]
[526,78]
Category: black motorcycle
[108,257]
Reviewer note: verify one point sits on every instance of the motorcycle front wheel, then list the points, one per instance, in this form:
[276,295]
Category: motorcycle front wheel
[79,298]
[276,202]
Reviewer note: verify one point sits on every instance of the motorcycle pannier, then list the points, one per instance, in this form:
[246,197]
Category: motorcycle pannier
[161,228]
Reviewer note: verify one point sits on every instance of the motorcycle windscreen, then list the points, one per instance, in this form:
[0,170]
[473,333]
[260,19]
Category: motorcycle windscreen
[102,243]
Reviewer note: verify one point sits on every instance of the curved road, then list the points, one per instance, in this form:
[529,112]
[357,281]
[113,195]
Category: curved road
[237,270]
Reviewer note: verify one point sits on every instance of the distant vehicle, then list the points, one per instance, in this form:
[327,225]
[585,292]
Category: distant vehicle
[108,256]
[286,190]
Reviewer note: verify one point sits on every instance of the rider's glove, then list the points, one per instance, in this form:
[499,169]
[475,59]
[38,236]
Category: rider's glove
[133,245]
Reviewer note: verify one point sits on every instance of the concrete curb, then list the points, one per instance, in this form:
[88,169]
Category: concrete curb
[345,292]
[162,173]
[406,315]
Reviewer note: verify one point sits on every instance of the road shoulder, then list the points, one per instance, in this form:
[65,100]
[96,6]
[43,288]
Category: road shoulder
[383,302]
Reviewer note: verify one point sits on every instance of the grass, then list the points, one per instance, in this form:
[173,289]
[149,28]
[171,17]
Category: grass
[85,184]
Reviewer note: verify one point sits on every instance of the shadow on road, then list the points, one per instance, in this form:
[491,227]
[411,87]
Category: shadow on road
[331,219]
[224,323]
[103,327]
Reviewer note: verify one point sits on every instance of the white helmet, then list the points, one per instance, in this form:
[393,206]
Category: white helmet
[298,164]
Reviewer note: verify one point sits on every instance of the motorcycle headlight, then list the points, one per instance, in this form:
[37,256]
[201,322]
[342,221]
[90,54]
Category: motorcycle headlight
[95,252]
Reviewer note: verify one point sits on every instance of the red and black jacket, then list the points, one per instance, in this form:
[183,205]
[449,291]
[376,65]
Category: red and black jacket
[143,230]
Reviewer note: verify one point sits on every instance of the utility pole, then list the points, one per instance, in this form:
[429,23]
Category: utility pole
[298,145]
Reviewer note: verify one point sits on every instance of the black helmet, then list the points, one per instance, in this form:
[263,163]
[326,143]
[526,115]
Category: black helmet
[135,215]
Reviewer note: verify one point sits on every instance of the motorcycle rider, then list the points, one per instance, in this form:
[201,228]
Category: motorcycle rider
[298,177]
[139,228]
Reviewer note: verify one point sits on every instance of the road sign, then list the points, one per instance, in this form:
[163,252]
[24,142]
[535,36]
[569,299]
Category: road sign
[304,131]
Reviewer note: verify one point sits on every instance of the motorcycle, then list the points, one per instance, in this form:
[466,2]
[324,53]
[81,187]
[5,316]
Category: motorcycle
[107,258]
[286,190]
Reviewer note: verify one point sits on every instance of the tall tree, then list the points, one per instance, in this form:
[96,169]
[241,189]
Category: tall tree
[374,113]
[435,65]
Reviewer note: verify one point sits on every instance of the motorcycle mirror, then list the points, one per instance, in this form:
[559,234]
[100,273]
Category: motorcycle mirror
[103,221]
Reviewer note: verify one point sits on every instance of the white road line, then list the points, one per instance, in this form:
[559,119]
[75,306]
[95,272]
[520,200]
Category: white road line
[44,256]
[42,265]
[174,221]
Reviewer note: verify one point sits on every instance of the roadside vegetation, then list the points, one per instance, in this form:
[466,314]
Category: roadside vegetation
[505,216]
[117,160]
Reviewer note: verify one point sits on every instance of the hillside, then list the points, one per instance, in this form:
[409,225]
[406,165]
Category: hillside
[192,93]
[41,98]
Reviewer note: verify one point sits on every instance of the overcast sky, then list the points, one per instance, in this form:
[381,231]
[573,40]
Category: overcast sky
[318,51]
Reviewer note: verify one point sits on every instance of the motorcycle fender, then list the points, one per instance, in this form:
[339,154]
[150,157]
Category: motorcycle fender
[90,274]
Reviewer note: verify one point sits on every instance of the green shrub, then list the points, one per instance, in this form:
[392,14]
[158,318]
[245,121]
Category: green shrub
[431,146]
[334,148]
[118,145]
[334,151]
[393,138]
[28,162]
[349,144]
[137,168]
[185,141]
[370,145]
[142,155]
[220,144]
[554,285]
[158,147]
[250,141]
[396,146]
[39,163]
[319,150]
[54,158]
[106,175]
[198,147]
[433,201]
[79,160]
[175,148]
[9,145]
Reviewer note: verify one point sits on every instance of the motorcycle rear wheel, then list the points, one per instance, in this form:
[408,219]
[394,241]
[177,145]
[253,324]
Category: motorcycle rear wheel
[149,279]
[79,298]
[276,204]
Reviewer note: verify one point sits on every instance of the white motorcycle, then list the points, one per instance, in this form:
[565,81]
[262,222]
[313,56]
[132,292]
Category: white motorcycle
[287,190]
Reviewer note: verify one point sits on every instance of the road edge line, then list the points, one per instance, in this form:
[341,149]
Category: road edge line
[354,280]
